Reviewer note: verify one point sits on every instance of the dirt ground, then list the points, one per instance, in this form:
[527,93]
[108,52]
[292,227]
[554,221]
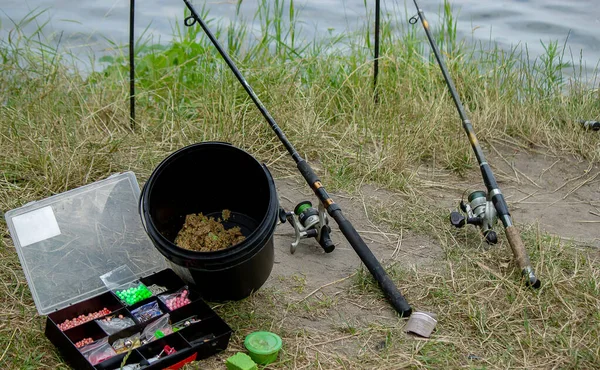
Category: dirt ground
[561,195]
[557,194]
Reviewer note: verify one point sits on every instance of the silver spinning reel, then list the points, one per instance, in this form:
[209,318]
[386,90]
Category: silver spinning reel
[480,212]
[308,222]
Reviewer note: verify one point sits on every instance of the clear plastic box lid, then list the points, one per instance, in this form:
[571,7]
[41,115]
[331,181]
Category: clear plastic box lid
[67,241]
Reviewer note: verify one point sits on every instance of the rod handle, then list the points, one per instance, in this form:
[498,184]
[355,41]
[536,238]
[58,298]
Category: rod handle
[518,248]
[386,284]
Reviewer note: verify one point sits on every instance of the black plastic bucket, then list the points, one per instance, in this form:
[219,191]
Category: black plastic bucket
[210,177]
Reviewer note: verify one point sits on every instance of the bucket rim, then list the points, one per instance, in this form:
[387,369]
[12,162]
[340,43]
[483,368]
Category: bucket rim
[239,250]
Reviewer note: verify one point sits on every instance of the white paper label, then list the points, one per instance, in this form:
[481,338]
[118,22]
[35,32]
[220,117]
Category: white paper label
[35,226]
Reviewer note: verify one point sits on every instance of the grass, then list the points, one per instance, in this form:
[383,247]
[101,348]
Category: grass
[61,128]
[490,316]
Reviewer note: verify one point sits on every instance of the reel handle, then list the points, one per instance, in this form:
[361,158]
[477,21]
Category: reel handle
[457,220]
[325,241]
[282,214]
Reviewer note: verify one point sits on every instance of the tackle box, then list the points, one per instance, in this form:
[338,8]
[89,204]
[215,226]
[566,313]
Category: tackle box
[77,249]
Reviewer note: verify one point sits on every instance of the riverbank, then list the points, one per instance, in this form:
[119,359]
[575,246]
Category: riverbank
[398,166]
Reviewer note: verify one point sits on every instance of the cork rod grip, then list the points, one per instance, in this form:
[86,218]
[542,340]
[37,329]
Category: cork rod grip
[518,248]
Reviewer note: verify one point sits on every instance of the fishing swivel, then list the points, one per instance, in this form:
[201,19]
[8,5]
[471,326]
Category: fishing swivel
[479,212]
[308,222]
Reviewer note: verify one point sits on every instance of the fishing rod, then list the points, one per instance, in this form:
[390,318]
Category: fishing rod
[376,56]
[494,202]
[386,284]
[131,64]
[590,125]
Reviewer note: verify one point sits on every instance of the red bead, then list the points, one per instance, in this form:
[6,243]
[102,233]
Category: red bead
[82,318]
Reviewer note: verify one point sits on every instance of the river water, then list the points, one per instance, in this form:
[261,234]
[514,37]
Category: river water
[86,25]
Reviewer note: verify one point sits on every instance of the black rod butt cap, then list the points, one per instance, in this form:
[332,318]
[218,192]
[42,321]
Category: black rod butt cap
[405,313]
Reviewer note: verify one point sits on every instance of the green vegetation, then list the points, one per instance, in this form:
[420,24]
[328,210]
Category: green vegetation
[61,128]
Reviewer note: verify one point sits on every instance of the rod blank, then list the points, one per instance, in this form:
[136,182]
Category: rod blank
[512,234]
[376,56]
[131,64]
[389,289]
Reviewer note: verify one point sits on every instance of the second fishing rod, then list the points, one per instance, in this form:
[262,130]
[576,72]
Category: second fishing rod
[495,204]
[386,284]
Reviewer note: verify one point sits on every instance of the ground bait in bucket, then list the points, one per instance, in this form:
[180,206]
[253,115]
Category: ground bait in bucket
[206,234]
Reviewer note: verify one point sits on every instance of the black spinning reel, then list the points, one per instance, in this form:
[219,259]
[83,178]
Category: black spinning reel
[309,222]
[480,212]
